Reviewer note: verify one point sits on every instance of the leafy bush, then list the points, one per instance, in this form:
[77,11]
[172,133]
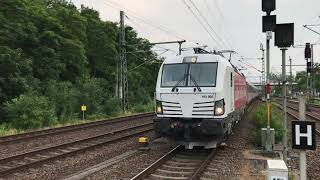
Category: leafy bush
[93,95]
[15,71]
[147,107]
[30,112]
[7,130]
[112,106]
[259,120]
[67,57]
[66,99]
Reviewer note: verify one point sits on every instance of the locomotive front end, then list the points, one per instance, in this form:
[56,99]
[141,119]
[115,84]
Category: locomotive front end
[191,100]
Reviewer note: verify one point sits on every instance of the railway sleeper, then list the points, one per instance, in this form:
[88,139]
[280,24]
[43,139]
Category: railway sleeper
[188,157]
[167,177]
[174,172]
[182,163]
[186,160]
[176,167]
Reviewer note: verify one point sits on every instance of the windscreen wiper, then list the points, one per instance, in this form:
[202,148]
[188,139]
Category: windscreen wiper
[175,86]
[195,83]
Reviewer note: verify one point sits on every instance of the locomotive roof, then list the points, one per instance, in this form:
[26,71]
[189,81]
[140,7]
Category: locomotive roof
[201,58]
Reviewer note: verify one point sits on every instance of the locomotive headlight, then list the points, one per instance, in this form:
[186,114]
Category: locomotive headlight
[158,107]
[219,107]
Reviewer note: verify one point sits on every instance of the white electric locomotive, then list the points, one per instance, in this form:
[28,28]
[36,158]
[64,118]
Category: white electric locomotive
[199,98]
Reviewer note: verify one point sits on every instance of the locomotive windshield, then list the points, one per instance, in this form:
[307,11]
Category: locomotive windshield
[204,74]
[201,74]
[174,75]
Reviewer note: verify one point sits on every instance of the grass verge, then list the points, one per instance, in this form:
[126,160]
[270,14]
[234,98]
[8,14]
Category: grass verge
[259,120]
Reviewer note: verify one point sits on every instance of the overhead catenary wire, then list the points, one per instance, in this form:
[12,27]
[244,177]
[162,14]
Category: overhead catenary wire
[200,22]
[136,18]
[206,21]
[220,32]
[223,32]
[250,65]
[132,22]
[135,15]
[136,45]
[132,17]
[218,8]
[145,61]
[168,49]
[210,12]
[149,22]
[208,24]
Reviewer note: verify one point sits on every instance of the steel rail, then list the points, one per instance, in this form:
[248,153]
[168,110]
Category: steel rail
[313,115]
[23,161]
[297,116]
[295,100]
[204,164]
[196,172]
[147,171]
[53,131]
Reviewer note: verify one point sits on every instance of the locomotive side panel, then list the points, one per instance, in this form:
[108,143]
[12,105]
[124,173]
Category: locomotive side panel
[240,99]
[252,92]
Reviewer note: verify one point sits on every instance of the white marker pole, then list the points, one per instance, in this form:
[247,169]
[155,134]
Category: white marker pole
[303,159]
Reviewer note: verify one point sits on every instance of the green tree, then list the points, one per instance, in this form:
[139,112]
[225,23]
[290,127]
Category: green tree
[65,97]
[301,80]
[15,71]
[65,57]
[30,112]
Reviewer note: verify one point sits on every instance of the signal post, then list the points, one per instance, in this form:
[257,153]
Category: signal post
[284,38]
[268,26]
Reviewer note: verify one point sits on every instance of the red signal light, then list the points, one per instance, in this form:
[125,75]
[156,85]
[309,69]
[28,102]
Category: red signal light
[268,88]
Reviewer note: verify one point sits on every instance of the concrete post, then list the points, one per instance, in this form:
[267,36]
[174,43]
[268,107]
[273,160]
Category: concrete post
[284,93]
[303,159]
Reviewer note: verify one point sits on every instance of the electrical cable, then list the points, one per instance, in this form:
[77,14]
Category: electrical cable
[223,32]
[250,65]
[206,21]
[144,20]
[149,22]
[152,61]
[218,8]
[199,21]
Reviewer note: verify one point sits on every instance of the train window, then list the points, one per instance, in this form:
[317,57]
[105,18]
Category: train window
[231,79]
[203,74]
[174,74]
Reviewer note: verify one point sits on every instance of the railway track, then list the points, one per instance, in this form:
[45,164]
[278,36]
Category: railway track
[312,166]
[16,163]
[54,131]
[310,108]
[178,164]
[294,112]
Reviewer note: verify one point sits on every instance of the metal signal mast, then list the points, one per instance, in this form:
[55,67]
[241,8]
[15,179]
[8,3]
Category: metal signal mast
[263,76]
[122,67]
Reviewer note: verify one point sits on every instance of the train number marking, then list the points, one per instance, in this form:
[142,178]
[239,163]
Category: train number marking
[206,97]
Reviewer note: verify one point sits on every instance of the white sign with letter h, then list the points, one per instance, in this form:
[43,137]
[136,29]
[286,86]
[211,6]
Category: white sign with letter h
[308,135]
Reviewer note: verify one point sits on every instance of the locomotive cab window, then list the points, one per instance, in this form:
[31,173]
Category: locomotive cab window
[191,75]
[203,74]
[174,74]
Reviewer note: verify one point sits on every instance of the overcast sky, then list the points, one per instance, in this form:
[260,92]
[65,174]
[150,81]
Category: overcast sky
[234,24]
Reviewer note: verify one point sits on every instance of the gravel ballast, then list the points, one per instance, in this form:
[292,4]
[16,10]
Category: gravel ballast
[48,141]
[63,168]
[132,166]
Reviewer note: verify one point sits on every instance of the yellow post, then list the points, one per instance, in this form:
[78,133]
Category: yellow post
[83,109]
[269,112]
